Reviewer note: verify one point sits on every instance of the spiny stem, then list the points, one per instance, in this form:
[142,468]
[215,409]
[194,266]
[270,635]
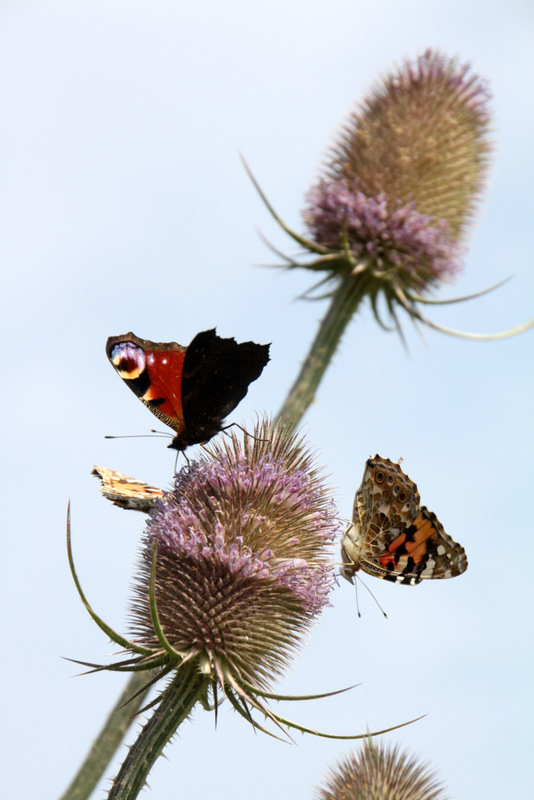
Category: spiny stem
[343,306]
[176,704]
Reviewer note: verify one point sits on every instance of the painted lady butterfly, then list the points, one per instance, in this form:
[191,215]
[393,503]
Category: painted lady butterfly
[392,536]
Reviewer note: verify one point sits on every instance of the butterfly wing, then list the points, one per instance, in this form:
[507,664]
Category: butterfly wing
[418,551]
[127,492]
[375,528]
[216,376]
[383,504]
[153,371]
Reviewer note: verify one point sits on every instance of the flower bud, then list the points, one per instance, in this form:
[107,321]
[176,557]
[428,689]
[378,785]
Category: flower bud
[377,772]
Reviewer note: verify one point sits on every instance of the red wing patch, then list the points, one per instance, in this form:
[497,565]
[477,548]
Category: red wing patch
[191,389]
[153,371]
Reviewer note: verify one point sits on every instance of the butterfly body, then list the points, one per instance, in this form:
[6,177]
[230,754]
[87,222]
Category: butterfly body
[191,389]
[392,536]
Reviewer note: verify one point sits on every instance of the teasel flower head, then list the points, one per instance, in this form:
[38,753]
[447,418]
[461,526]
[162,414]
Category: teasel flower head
[402,183]
[239,558]
[379,772]
[389,215]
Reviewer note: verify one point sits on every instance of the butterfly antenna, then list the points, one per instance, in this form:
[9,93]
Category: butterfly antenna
[152,435]
[372,595]
[162,434]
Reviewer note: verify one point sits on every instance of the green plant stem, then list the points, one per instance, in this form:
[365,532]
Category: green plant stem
[176,704]
[345,302]
[109,738]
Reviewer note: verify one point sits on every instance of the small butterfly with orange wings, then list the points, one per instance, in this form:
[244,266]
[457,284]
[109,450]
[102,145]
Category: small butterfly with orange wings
[392,536]
[127,492]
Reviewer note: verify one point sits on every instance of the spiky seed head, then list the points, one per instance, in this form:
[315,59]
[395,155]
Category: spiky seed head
[401,185]
[380,772]
[243,563]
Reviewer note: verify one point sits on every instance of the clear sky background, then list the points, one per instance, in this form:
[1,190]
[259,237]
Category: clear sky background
[124,206]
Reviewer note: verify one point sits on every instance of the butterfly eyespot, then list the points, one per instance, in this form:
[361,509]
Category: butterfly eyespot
[403,497]
[390,479]
[396,489]
[380,477]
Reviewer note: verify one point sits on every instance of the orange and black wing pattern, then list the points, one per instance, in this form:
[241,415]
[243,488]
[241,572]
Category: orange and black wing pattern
[392,536]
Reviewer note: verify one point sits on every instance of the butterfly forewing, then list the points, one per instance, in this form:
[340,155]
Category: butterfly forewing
[153,371]
[217,373]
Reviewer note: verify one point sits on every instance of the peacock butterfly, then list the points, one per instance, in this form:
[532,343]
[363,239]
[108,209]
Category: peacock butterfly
[191,389]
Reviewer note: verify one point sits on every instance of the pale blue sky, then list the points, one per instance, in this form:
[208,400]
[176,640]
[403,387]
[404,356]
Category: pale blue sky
[124,206]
